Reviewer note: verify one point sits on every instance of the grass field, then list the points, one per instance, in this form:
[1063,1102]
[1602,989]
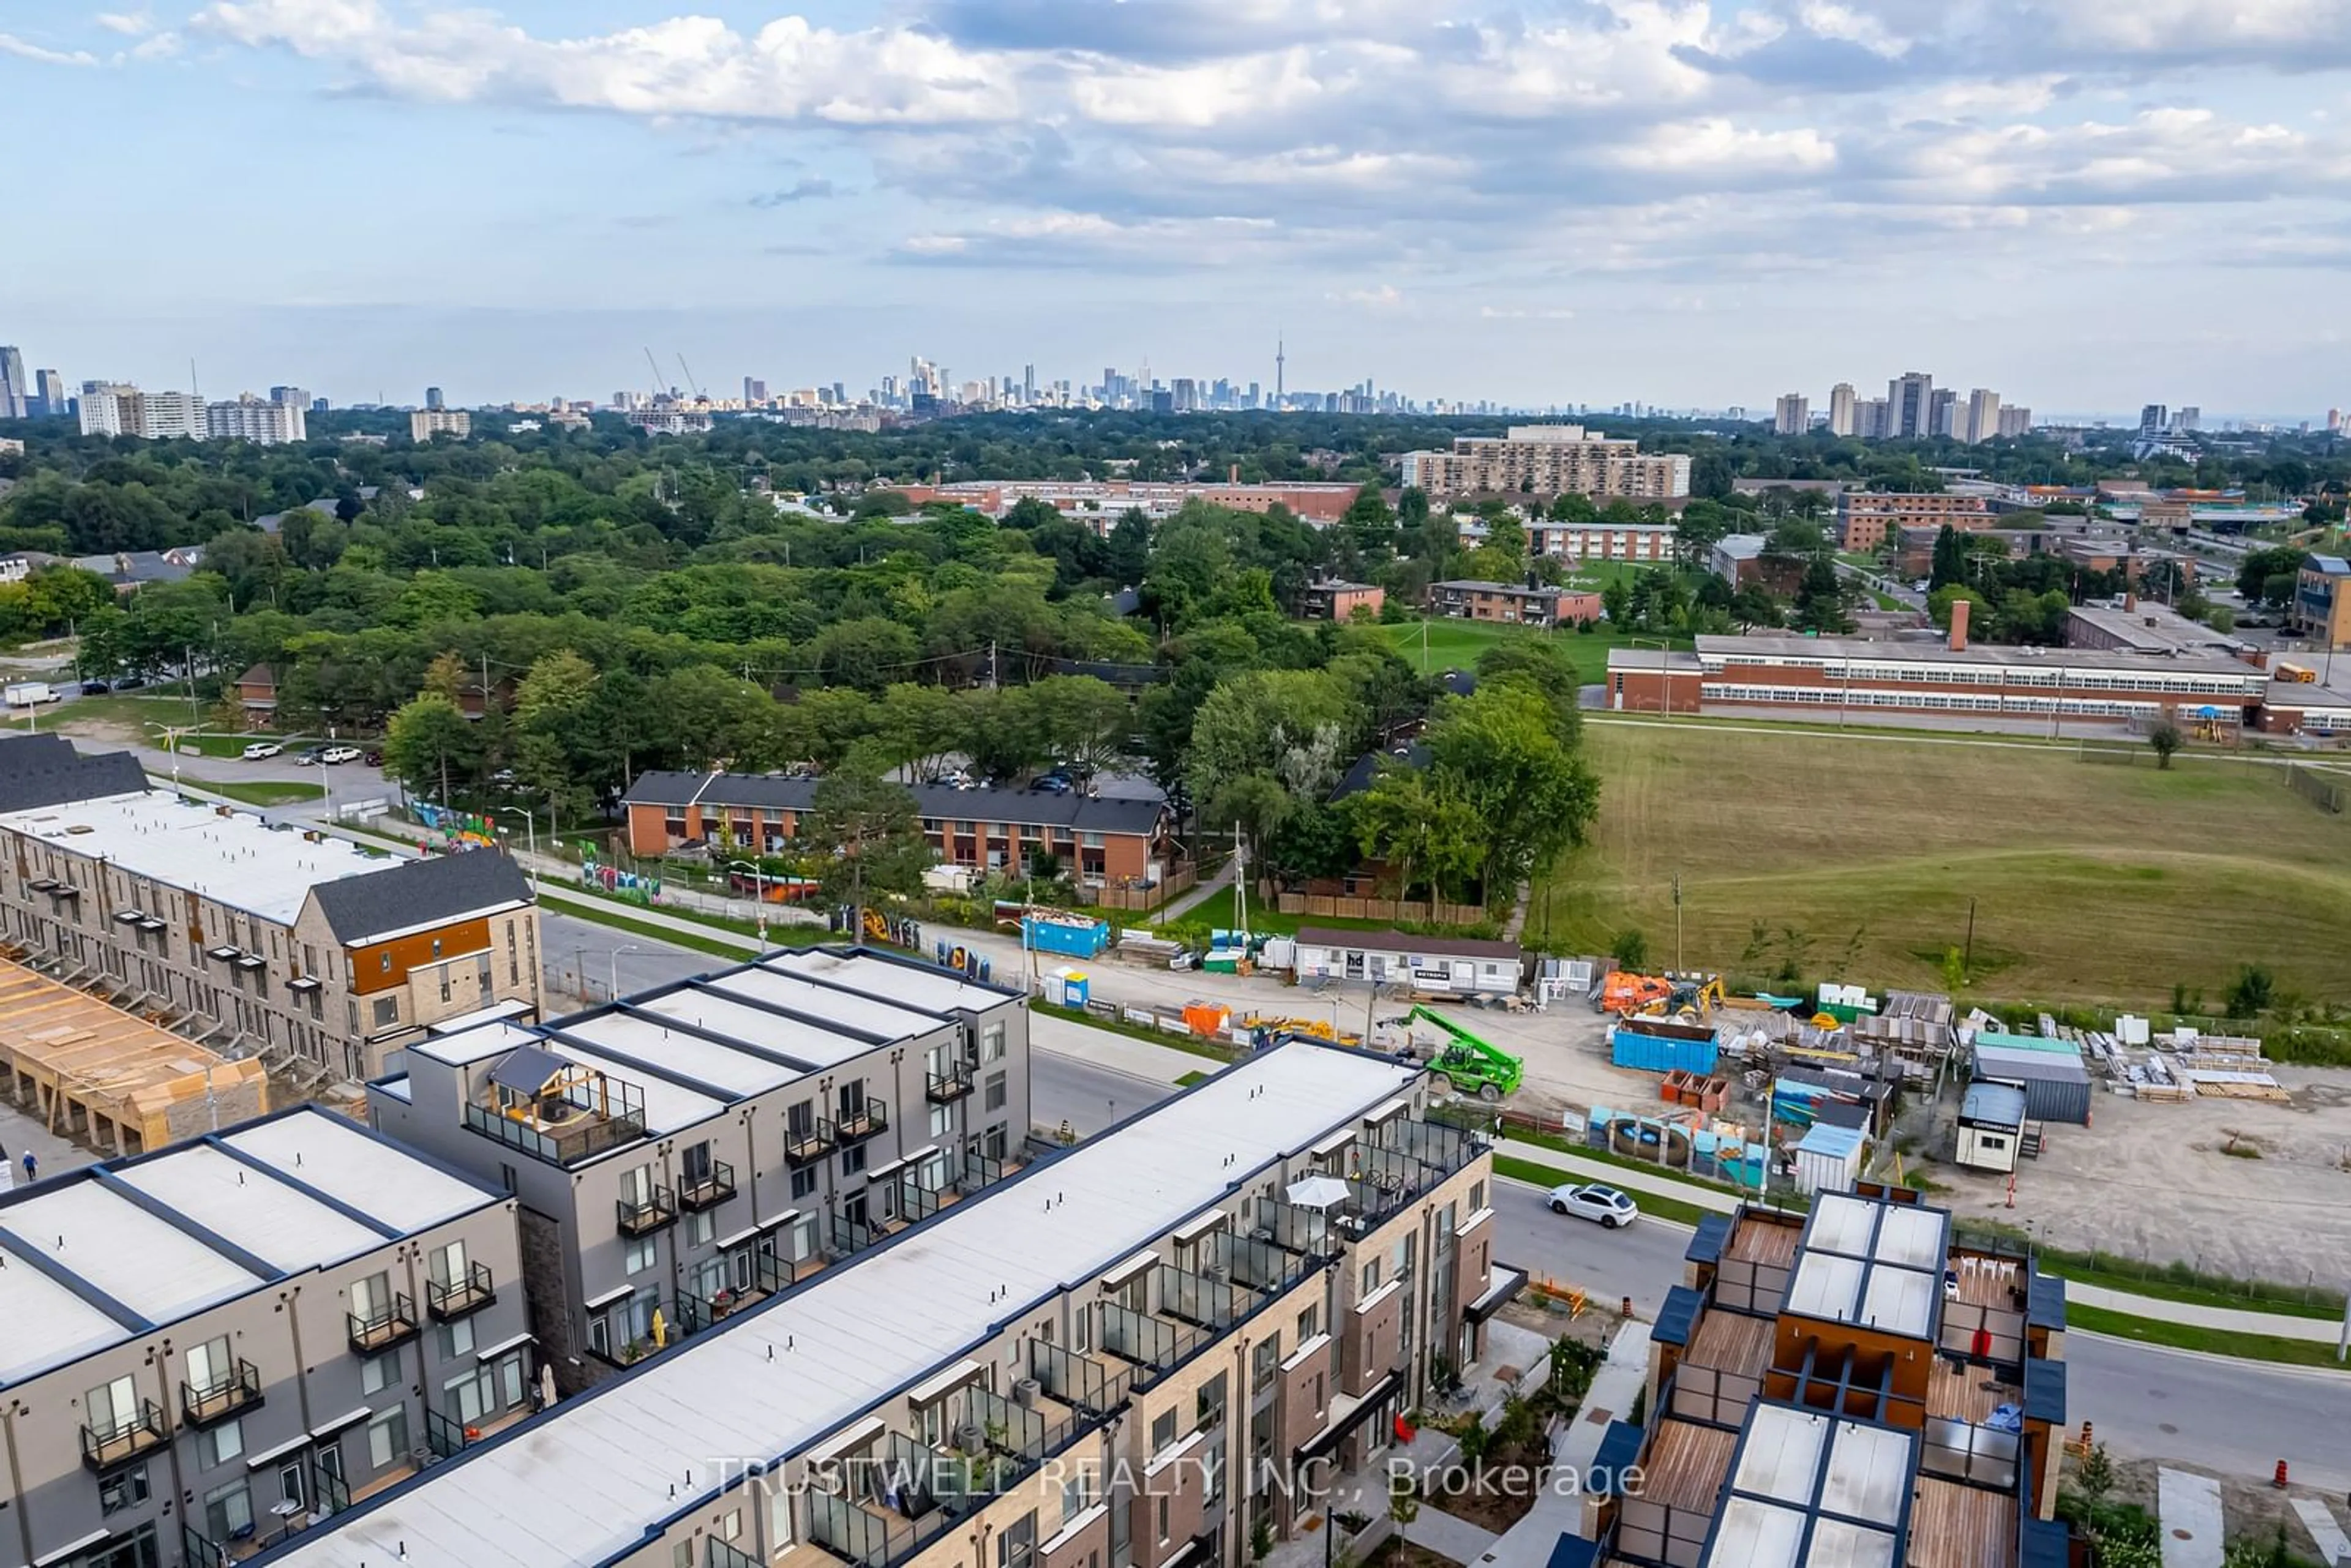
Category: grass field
[2088,884]
[260,792]
[1219,911]
[1456,644]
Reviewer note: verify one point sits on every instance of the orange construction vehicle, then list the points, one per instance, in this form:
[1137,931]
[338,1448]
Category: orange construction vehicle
[1621,992]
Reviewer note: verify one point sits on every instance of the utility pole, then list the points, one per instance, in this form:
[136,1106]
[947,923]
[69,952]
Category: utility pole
[1678,923]
[1967,955]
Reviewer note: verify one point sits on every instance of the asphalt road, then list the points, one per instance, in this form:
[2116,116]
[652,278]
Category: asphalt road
[1088,1095]
[570,944]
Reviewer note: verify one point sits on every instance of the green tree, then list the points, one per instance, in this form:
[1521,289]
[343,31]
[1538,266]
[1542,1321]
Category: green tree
[2253,990]
[428,740]
[2165,740]
[1082,720]
[863,835]
[1500,750]
[1949,561]
[1420,827]
[1820,600]
[1631,950]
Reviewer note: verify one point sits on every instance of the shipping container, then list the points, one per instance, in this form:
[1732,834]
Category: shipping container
[2056,1086]
[1077,938]
[1647,1045]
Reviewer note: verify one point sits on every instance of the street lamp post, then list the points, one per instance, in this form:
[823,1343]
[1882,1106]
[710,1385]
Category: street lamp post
[529,825]
[623,947]
[758,898]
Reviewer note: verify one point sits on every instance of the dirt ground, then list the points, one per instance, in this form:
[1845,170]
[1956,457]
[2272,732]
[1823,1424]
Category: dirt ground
[2143,1179]
[2250,1510]
[2150,1181]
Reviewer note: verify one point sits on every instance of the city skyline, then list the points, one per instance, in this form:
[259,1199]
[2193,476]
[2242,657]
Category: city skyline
[1464,200]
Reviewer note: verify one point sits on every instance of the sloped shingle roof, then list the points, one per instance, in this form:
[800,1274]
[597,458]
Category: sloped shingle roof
[419,893]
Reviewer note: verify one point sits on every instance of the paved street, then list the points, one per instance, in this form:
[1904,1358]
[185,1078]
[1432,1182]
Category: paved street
[568,943]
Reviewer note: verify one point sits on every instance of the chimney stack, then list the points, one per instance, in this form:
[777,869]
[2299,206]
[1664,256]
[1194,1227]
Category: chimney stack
[1959,625]
[2130,601]
[1235,473]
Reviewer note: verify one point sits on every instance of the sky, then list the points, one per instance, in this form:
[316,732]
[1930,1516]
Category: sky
[2085,204]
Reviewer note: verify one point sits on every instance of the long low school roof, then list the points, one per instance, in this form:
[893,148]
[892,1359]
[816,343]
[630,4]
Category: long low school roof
[586,1482]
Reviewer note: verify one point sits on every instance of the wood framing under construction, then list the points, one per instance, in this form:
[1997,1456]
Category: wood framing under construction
[110,1078]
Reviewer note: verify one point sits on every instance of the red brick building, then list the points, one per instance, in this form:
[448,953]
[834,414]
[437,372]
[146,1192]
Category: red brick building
[1866,519]
[1602,541]
[1121,841]
[1337,601]
[1959,686]
[1530,605]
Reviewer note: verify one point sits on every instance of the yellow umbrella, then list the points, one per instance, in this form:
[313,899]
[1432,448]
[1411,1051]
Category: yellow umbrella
[660,1330]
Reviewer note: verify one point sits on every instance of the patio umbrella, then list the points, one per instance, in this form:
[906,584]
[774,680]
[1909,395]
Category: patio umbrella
[546,1384]
[1318,1192]
[660,1330]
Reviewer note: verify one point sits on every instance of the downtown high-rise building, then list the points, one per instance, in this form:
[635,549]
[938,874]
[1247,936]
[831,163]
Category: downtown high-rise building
[1791,415]
[55,401]
[1841,410]
[1981,420]
[1910,406]
[15,388]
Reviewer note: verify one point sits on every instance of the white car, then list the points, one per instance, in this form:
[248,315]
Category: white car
[339,754]
[261,749]
[1604,1205]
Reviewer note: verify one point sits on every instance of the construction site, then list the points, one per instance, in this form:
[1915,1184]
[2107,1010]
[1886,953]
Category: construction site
[2159,1145]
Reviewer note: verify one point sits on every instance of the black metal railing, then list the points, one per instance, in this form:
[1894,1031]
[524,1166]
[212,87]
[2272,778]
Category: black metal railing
[591,1133]
[708,1190]
[394,1322]
[128,1436]
[198,1549]
[867,1120]
[804,1144]
[643,1216]
[853,1235]
[229,1393]
[448,1299]
[443,1437]
[717,1553]
[944,1088]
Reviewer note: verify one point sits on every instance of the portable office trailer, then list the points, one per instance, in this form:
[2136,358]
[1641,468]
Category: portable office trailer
[2055,1084]
[1992,1126]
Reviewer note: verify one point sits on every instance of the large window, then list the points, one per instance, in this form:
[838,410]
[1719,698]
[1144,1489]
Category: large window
[228,1511]
[388,1436]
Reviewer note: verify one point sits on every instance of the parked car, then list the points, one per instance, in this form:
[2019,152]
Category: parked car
[306,759]
[95,688]
[261,749]
[1052,783]
[373,759]
[130,682]
[1590,1200]
[336,756]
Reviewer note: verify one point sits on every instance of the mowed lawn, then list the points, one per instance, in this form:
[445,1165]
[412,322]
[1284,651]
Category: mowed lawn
[2091,882]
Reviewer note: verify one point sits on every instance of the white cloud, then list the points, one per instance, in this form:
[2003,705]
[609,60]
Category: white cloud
[135,25]
[1379,297]
[12,44]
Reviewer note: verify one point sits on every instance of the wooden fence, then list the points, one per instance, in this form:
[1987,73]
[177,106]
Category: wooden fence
[1413,910]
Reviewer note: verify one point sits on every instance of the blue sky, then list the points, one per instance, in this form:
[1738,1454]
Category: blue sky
[2085,203]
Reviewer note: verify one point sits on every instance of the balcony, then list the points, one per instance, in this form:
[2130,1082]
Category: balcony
[129,1437]
[863,1121]
[450,1299]
[947,1088]
[393,1323]
[813,1142]
[557,1144]
[229,1394]
[643,1216]
[708,1191]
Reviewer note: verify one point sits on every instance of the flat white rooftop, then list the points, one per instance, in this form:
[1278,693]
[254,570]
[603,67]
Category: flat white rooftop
[674,1048]
[156,1240]
[352,1166]
[581,1484]
[715,1008]
[921,985]
[236,859]
[867,1009]
[278,1223]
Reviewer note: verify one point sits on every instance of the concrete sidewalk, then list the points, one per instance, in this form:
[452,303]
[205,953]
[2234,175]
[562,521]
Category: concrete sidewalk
[2228,1320]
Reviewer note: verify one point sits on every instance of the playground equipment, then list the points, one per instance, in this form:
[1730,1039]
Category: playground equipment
[1466,1062]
